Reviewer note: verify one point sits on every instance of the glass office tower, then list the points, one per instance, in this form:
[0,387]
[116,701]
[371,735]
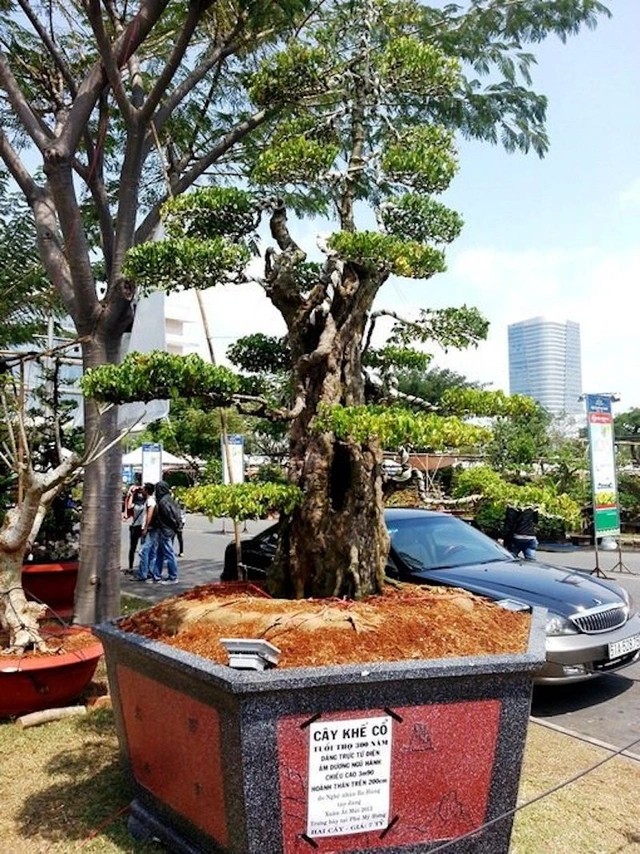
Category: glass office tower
[544,363]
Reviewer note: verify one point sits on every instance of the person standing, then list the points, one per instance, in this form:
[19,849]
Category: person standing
[520,531]
[150,535]
[135,524]
[134,489]
[169,522]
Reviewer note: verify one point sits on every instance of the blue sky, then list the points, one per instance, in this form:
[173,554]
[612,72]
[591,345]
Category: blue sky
[558,237]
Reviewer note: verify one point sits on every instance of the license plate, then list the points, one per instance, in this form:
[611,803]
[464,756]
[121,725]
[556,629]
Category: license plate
[623,647]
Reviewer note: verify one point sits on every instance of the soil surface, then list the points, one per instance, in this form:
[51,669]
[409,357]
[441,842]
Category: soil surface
[58,640]
[406,622]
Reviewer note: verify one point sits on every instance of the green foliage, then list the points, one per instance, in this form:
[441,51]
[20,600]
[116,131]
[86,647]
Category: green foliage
[629,497]
[270,473]
[626,428]
[159,376]
[27,298]
[449,327]
[410,66]
[241,501]
[520,441]
[498,493]
[383,253]
[294,160]
[260,353]
[481,402]
[289,76]
[420,218]
[422,157]
[400,358]
[210,211]
[190,430]
[180,263]
[212,471]
[431,386]
[394,426]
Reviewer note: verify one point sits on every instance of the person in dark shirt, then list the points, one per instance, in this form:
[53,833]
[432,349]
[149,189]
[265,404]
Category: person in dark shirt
[520,531]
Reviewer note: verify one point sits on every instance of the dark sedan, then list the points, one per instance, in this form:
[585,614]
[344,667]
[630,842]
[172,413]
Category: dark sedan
[592,626]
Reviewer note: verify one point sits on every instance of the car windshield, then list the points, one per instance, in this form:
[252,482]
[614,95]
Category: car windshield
[439,542]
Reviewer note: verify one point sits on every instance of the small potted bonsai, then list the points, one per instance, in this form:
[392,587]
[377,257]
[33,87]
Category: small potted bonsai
[50,568]
[42,664]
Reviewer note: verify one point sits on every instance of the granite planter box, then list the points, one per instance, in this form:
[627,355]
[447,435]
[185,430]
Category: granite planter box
[395,757]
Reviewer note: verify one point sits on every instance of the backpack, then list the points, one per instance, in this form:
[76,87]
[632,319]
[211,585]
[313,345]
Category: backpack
[169,514]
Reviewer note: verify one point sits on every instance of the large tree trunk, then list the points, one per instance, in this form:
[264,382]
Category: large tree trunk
[98,587]
[335,543]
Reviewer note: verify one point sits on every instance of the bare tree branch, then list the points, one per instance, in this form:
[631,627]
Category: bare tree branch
[89,91]
[48,42]
[194,15]
[111,67]
[38,132]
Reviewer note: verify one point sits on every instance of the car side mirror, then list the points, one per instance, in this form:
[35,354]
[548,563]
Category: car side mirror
[391,570]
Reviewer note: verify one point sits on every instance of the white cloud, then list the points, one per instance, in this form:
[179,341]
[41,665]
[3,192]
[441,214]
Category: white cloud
[593,288]
[596,289]
[630,197]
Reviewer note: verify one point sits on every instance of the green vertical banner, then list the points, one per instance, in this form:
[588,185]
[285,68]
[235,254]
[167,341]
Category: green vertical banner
[604,484]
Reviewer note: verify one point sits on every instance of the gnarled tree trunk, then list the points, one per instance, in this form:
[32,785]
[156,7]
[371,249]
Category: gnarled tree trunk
[335,543]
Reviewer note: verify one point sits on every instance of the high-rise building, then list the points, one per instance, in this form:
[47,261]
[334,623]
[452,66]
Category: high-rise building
[544,363]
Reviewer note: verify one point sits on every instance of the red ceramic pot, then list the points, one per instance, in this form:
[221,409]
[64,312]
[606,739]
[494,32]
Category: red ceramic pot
[52,583]
[31,683]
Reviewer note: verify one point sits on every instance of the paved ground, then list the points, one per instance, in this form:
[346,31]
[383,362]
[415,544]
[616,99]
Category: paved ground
[204,545]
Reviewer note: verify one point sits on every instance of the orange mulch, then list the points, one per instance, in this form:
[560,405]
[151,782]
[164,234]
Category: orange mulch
[405,622]
[58,639]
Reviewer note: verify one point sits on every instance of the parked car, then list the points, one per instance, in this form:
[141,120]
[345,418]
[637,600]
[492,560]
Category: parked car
[592,624]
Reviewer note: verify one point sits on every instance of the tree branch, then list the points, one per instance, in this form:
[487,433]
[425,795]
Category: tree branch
[148,225]
[38,132]
[194,14]
[48,42]
[89,91]
[111,67]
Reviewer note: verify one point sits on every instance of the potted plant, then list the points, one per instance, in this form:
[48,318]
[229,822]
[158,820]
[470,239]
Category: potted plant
[50,568]
[222,760]
[383,756]
[41,664]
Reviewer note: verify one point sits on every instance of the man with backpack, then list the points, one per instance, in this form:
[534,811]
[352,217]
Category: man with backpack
[149,537]
[168,522]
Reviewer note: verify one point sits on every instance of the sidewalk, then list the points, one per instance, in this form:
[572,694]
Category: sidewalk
[191,573]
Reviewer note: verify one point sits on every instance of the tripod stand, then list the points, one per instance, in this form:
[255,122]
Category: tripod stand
[620,565]
[596,570]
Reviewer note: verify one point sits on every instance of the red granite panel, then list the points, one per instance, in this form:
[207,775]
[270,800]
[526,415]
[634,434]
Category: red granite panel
[441,762]
[174,748]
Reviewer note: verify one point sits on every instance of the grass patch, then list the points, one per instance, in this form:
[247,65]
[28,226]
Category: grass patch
[597,814]
[130,604]
[63,789]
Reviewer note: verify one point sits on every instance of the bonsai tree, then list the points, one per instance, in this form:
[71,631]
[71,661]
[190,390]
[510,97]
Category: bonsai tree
[358,143]
[38,467]
[125,104]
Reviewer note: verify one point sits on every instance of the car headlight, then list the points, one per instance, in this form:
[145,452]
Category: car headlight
[557,625]
[628,598]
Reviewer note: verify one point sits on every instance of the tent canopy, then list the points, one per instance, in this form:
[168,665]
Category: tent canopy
[134,459]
